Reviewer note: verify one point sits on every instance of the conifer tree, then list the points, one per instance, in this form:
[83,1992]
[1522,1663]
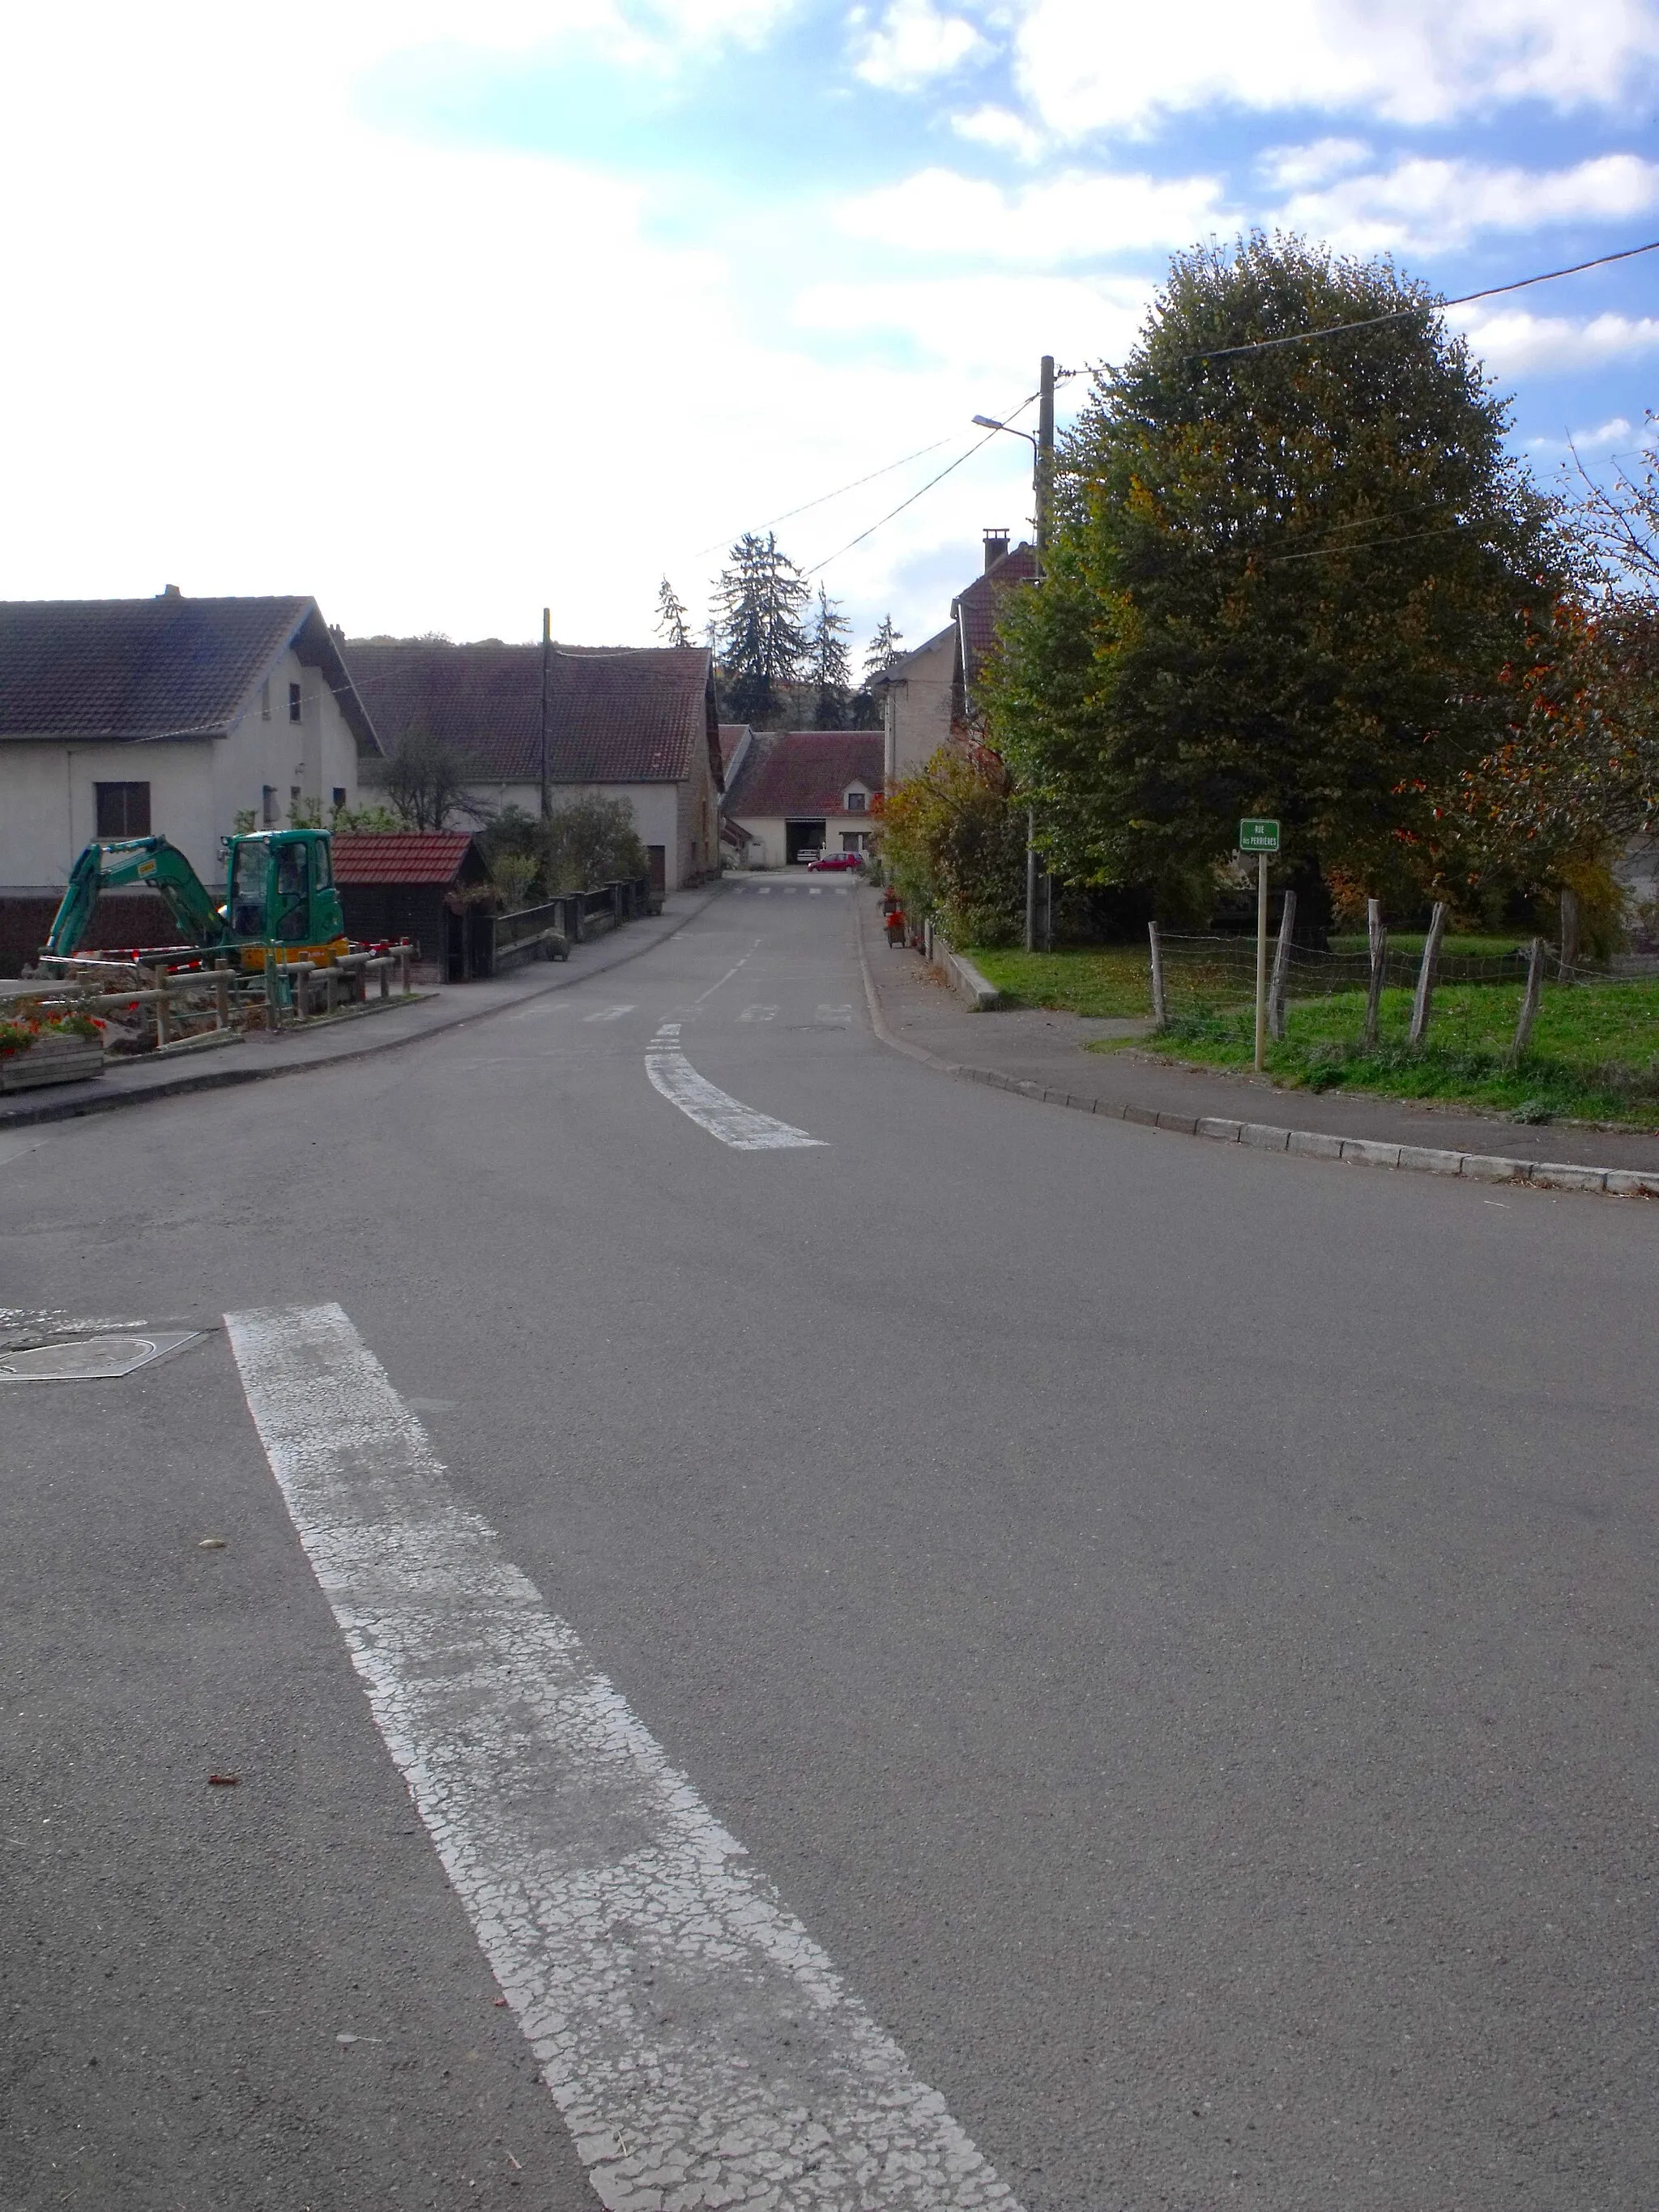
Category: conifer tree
[759,599]
[671,626]
[884,648]
[830,671]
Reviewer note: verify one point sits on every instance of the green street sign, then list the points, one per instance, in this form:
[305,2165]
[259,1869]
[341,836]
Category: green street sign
[1256,835]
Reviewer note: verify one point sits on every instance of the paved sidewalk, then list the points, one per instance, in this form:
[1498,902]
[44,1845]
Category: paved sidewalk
[1024,1045]
[379,1027]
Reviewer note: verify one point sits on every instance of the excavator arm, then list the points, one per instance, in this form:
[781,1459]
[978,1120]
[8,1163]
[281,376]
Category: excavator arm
[147,861]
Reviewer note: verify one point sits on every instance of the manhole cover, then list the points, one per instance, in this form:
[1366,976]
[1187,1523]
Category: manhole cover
[91,1358]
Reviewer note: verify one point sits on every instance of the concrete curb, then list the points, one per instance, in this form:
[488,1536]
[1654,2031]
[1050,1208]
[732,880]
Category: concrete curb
[229,1078]
[1267,1137]
[979,994]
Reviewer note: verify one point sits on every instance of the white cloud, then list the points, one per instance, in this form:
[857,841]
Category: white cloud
[1297,169]
[1584,441]
[1073,218]
[915,42]
[1511,342]
[1091,65]
[1427,206]
[1001,128]
[990,326]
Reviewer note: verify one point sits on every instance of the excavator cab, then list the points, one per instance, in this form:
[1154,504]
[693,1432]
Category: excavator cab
[282,892]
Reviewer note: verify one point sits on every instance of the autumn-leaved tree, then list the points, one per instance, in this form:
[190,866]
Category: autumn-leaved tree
[954,843]
[1285,581]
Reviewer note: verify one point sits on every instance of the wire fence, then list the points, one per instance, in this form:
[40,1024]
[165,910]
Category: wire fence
[1216,974]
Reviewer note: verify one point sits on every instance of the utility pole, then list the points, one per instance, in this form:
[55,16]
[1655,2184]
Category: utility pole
[547,653]
[1045,457]
[1043,473]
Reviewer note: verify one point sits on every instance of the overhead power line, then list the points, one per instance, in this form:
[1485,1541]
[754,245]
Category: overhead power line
[822,500]
[968,455]
[1426,307]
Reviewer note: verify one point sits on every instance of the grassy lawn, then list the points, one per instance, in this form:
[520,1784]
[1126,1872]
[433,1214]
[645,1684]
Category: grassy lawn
[1453,948]
[1101,979]
[1595,1052]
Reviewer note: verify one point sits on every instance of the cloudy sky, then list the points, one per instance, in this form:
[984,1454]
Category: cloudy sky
[445,309]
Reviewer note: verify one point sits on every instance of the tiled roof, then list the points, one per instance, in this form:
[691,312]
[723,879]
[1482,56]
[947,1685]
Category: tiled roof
[631,714]
[122,670]
[731,736]
[399,856]
[806,772]
[977,610]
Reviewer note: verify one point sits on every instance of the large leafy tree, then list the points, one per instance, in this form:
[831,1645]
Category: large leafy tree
[760,636]
[1285,581]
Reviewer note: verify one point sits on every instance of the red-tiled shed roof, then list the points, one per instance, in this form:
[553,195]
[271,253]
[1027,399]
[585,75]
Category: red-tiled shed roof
[402,856]
[628,714]
[806,772]
[731,736]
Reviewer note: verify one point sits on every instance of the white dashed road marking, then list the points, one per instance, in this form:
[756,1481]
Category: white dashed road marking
[700,2045]
[839,1015]
[758,1014]
[608,1014]
[722,1115]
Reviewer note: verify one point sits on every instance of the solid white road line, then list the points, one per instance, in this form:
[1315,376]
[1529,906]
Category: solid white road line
[700,2045]
[723,1116]
[608,1014]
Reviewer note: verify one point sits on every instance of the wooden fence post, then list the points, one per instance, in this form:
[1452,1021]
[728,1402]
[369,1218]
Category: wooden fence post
[1569,934]
[1425,999]
[1379,941]
[1281,968]
[1529,999]
[1160,1005]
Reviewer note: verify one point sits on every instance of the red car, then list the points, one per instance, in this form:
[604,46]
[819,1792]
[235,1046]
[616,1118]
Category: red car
[833,861]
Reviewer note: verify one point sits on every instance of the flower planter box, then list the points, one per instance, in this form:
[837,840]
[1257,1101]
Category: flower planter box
[51,1059]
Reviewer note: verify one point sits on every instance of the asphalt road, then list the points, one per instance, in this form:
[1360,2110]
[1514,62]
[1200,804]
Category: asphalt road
[1173,1624]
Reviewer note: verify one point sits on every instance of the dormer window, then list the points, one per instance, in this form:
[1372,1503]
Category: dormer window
[858,800]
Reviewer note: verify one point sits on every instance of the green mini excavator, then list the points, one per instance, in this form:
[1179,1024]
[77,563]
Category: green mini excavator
[282,903]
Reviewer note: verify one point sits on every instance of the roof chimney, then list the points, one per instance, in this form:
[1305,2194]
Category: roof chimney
[996,547]
[172,591]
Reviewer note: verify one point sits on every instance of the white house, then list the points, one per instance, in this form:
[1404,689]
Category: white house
[631,722]
[175,716]
[799,791]
[929,695]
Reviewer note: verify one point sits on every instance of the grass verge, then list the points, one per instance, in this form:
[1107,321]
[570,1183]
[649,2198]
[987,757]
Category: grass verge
[1594,1053]
[1101,978]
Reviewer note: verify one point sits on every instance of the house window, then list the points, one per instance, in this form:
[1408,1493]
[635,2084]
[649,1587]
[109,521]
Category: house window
[294,703]
[123,810]
[268,806]
[339,794]
[264,701]
[857,801]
